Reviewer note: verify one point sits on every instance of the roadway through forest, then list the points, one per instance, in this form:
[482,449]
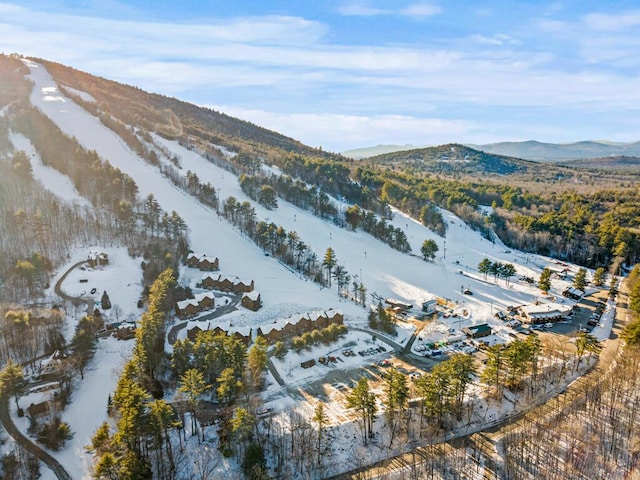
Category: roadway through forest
[44,457]
[58,289]
[5,416]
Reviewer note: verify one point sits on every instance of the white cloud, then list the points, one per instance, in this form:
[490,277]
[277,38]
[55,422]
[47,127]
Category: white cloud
[420,10]
[496,39]
[365,9]
[612,22]
[288,63]
[340,132]
[361,9]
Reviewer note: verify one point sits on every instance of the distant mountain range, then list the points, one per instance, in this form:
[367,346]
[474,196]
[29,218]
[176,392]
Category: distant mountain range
[366,152]
[529,150]
[560,152]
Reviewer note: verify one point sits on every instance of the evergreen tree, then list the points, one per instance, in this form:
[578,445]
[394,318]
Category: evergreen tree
[268,197]
[429,249]
[508,270]
[599,276]
[462,370]
[228,386]
[12,381]
[105,301]
[181,357]
[363,401]
[321,419]
[484,267]
[436,392]
[242,426]
[580,280]
[586,343]
[192,384]
[545,280]
[494,371]
[396,395]
[279,350]
[257,361]
[329,262]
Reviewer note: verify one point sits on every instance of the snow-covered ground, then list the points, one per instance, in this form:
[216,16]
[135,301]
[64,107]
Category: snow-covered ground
[384,271]
[49,178]
[88,408]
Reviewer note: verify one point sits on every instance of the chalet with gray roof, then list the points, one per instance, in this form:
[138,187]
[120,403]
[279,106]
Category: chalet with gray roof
[287,328]
[226,284]
[241,333]
[203,262]
[193,306]
[251,301]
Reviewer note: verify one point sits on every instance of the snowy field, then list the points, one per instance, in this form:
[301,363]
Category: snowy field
[384,271]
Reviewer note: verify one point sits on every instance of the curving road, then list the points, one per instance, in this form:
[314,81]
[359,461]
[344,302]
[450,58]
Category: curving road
[5,416]
[172,335]
[58,289]
[17,435]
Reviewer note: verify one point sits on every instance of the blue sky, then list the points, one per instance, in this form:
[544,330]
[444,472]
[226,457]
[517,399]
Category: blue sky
[343,74]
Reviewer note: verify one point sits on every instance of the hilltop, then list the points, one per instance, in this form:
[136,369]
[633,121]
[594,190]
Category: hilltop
[452,158]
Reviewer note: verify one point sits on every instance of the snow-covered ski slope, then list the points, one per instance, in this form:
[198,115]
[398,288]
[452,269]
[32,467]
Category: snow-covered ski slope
[386,272]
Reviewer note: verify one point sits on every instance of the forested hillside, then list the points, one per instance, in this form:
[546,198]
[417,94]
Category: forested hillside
[588,216]
[38,229]
[454,158]
[173,118]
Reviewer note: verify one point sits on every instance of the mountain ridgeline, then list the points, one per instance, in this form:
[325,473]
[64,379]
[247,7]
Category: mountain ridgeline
[561,152]
[587,215]
[174,118]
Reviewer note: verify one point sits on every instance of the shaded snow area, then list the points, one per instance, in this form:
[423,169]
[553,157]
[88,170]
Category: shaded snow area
[386,273]
[83,95]
[88,407]
[49,178]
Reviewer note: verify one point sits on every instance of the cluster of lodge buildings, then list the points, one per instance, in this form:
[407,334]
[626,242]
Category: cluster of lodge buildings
[288,328]
[206,301]
[206,263]
[192,306]
[241,333]
[203,262]
[222,283]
